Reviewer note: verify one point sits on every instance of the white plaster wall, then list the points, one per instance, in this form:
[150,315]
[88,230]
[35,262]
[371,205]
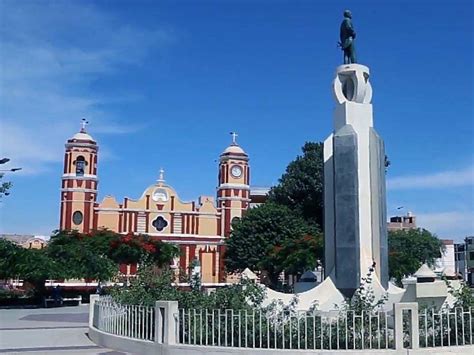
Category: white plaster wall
[446,264]
[326,296]
[329,250]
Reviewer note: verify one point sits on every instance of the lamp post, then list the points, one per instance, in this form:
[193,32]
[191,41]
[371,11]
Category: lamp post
[3,171]
[5,186]
[12,170]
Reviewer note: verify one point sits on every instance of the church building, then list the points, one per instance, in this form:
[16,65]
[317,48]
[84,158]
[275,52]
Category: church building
[197,227]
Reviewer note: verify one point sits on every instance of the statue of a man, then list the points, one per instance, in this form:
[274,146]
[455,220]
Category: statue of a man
[347,36]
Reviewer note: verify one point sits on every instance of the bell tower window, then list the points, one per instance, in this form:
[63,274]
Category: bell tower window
[80,165]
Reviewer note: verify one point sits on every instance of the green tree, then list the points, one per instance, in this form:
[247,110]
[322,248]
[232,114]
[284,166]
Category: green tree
[299,254]
[142,248]
[71,254]
[82,256]
[96,255]
[9,258]
[260,235]
[4,188]
[464,297]
[409,249]
[33,266]
[301,187]
[152,284]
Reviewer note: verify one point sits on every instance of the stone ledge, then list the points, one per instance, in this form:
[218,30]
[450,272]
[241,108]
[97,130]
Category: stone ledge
[147,347]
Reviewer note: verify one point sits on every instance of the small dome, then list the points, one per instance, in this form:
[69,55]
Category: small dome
[83,136]
[233,149]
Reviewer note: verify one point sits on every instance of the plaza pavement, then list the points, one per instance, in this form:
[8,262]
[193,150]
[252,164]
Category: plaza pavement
[61,330]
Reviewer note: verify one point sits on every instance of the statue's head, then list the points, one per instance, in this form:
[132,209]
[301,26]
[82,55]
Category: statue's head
[347,13]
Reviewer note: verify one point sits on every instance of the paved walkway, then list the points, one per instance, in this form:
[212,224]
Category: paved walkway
[61,330]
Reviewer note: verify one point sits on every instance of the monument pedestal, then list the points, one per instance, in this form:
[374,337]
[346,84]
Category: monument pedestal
[354,179]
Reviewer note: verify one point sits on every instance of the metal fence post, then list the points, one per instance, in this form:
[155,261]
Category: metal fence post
[414,327]
[92,315]
[398,309]
[166,324]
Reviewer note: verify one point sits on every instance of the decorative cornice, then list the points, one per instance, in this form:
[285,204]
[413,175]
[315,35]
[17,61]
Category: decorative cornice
[107,209]
[235,208]
[182,235]
[81,201]
[82,144]
[233,199]
[77,189]
[70,176]
[233,186]
[190,241]
[226,157]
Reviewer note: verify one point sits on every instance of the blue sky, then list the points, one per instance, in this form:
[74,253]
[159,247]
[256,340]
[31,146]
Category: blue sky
[163,83]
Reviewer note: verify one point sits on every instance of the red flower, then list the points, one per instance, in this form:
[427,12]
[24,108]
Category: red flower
[127,239]
[149,248]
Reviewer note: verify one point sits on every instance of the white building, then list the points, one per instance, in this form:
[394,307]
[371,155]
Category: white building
[446,264]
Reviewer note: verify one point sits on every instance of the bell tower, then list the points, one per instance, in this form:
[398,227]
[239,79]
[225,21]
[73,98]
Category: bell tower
[233,192]
[79,183]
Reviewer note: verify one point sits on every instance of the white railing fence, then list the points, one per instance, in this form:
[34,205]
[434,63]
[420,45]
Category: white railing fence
[446,327]
[284,330]
[405,327]
[131,321]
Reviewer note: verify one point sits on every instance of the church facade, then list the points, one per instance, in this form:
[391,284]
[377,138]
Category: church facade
[197,227]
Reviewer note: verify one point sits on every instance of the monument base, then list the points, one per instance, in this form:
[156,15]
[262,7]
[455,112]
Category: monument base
[354,186]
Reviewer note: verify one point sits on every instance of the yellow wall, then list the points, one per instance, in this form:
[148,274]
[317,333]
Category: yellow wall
[108,211]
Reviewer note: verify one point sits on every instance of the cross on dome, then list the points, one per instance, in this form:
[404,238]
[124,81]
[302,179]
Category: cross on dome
[161,177]
[234,137]
[84,123]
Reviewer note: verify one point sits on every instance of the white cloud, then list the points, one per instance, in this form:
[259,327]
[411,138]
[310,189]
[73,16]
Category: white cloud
[452,224]
[444,179]
[50,52]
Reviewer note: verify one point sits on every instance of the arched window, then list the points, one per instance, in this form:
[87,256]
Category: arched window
[80,165]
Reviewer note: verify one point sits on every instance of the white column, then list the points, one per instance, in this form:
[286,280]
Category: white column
[92,314]
[166,322]
[398,309]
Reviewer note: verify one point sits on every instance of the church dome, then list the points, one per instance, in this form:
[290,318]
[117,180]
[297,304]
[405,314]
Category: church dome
[83,136]
[234,149]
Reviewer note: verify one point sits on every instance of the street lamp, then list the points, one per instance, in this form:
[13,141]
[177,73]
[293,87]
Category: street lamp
[3,171]
[10,170]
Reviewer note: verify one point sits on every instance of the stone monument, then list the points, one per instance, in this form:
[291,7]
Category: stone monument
[354,177]
[355,229]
